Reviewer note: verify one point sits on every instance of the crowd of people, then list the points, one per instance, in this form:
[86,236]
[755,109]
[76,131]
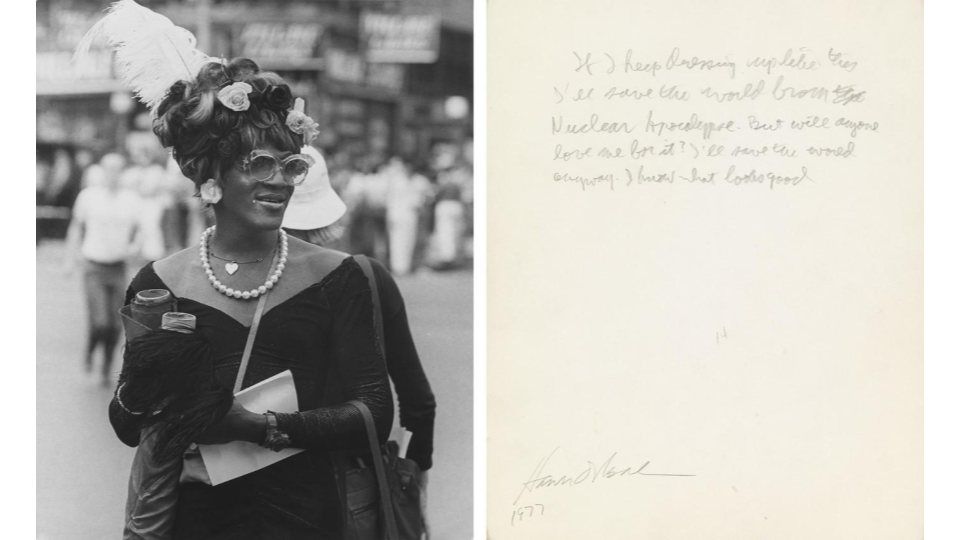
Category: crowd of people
[412,214]
[408,213]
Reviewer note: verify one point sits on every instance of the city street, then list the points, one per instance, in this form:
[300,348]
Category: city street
[82,469]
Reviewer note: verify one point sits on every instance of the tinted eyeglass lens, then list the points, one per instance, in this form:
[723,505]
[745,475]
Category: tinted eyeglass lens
[263,167]
[295,170]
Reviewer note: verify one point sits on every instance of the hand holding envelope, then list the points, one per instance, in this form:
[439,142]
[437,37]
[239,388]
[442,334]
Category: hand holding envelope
[228,461]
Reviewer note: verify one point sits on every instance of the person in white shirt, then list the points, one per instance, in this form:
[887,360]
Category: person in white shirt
[153,204]
[408,193]
[101,239]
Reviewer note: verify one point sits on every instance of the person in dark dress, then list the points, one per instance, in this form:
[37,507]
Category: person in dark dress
[236,133]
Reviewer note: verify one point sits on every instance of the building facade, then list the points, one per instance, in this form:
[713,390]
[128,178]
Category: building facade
[345,58]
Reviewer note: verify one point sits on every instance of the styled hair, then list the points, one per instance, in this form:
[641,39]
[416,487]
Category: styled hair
[206,136]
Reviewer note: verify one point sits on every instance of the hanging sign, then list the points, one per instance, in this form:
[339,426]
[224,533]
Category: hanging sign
[400,38]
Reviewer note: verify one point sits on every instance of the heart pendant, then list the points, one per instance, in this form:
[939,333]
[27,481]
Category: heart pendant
[231,267]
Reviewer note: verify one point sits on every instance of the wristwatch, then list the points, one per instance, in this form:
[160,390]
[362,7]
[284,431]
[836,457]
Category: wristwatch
[274,439]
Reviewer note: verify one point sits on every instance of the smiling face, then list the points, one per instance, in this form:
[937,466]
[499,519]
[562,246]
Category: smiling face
[249,203]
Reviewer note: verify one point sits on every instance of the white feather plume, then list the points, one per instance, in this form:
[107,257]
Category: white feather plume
[152,53]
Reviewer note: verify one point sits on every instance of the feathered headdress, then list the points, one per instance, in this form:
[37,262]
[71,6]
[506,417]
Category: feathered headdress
[152,53]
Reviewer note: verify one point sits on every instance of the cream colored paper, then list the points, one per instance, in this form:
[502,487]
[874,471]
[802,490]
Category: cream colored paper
[762,332]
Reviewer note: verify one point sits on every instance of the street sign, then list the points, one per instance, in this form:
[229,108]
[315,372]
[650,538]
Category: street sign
[277,44]
[400,38]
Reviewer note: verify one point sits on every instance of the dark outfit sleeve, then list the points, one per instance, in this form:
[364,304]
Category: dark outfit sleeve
[414,396]
[126,425]
[361,373]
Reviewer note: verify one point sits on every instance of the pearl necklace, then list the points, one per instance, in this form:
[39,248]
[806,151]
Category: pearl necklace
[252,293]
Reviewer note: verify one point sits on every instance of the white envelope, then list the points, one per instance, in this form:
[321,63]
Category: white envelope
[228,461]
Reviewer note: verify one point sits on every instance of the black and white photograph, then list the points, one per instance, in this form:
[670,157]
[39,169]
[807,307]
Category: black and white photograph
[254,265]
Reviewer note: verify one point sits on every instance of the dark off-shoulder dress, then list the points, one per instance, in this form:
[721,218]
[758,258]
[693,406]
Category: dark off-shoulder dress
[329,323]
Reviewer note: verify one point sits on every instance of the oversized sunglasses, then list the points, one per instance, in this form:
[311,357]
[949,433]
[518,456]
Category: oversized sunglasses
[262,166]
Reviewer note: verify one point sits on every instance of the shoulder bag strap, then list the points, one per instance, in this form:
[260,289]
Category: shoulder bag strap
[386,499]
[249,347]
[377,313]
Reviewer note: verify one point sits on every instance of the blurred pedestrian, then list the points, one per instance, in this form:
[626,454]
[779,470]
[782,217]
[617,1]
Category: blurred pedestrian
[100,239]
[367,196]
[93,176]
[448,220]
[464,173]
[183,218]
[425,215]
[313,215]
[145,179]
[407,193]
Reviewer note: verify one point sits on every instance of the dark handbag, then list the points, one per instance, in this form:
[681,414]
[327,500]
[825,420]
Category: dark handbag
[393,481]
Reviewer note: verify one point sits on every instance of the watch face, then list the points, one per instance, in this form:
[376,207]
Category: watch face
[276,440]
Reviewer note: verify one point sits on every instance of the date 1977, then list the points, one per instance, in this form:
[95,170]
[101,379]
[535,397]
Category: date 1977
[523,511]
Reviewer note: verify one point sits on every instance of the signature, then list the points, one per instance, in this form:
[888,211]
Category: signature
[539,479]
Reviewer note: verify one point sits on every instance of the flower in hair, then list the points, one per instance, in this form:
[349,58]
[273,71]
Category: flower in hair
[301,124]
[236,97]
[211,192]
[313,129]
[296,119]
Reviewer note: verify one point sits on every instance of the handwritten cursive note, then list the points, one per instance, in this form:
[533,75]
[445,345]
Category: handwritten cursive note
[705,269]
[799,107]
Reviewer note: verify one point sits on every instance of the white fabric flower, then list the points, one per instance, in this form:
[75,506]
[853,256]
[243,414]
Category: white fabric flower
[210,192]
[300,123]
[311,132]
[236,96]
[296,119]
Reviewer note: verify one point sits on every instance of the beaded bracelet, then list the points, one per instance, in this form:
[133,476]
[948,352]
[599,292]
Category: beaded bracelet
[122,406]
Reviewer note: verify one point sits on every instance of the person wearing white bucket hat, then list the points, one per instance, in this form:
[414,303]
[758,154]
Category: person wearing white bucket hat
[315,206]
[312,216]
